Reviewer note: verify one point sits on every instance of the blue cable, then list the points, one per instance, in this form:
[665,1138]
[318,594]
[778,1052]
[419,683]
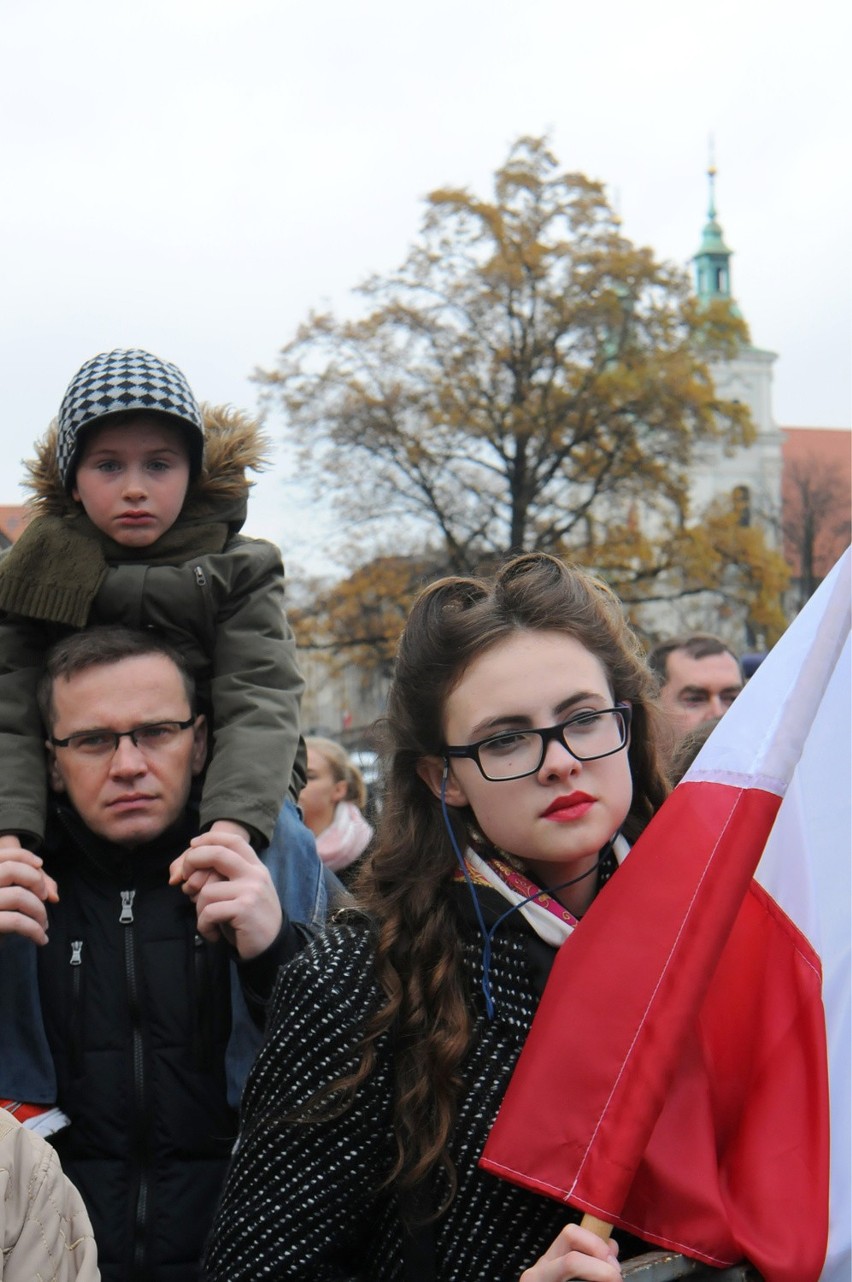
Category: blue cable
[487,934]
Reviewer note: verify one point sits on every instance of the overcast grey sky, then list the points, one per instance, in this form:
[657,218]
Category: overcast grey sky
[192,176]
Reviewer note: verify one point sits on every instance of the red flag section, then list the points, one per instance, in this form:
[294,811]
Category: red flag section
[734,1166]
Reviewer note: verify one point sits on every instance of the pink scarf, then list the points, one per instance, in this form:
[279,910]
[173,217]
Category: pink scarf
[346,837]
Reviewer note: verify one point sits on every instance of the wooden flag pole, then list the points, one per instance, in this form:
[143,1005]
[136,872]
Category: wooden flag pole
[594,1225]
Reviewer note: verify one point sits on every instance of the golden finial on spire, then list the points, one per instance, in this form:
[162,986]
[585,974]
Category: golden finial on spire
[711,174]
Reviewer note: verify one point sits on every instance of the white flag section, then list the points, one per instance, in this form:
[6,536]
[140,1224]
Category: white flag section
[807,864]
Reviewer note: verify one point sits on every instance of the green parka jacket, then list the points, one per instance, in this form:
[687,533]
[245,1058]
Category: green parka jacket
[216,595]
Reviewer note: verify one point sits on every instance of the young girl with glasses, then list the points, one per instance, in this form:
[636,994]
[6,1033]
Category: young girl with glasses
[521,762]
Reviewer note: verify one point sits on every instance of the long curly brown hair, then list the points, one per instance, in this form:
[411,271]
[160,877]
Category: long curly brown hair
[405,884]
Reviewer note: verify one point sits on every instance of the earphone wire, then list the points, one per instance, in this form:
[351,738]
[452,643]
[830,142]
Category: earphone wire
[489,932]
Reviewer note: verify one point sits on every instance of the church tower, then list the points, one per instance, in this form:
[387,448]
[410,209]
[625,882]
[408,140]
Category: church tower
[752,475]
[713,260]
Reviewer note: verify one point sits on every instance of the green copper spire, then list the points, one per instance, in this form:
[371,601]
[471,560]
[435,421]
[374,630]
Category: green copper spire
[713,260]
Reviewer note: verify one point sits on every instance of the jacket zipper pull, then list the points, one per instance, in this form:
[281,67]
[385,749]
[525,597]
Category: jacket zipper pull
[75,1022]
[127,897]
[199,577]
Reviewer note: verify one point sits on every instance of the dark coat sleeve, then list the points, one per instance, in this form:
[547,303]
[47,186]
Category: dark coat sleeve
[257,976]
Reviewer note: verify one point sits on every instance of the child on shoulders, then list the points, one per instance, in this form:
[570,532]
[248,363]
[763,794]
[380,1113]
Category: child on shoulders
[140,497]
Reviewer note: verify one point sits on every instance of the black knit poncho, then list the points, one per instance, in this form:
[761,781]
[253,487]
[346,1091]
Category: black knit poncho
[305,1202]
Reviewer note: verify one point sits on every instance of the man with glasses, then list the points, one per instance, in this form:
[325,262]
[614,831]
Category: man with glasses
[156,941]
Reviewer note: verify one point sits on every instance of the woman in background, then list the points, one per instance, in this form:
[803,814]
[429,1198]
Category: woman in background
[331,802]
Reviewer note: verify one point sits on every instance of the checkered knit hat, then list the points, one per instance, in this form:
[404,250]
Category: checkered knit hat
[125,380]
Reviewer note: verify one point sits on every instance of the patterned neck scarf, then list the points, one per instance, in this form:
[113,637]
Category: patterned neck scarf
[550,919]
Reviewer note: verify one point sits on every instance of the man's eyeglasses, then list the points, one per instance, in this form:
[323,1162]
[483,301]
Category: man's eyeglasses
[516,753]
[102,743]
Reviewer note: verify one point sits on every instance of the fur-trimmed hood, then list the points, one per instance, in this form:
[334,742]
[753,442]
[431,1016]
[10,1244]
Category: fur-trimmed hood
[233,444]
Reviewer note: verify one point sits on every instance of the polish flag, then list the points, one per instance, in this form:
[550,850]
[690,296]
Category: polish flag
[687,1074]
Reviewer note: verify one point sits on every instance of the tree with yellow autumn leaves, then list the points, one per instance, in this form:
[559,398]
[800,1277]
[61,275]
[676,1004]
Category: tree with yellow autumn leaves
[528,378]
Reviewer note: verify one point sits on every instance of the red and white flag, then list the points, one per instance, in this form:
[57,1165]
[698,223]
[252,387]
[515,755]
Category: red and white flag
[689,1060]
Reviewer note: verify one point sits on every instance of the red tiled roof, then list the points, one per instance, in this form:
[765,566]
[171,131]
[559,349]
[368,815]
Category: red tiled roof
[13,518]
[816,486]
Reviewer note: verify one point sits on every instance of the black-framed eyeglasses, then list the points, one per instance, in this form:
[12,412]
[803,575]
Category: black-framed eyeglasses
[102,743]
[512,754]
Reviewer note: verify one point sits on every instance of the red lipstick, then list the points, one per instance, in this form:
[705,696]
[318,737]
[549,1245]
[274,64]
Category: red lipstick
[564,809]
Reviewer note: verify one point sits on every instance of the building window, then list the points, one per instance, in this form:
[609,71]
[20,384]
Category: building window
[741,497]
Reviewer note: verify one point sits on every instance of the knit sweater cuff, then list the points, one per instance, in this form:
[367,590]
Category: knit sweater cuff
[69,604]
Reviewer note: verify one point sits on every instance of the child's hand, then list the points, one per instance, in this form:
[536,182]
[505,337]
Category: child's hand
[193,884]
[24,890]
[232,892]
[230,825]
[576,1253]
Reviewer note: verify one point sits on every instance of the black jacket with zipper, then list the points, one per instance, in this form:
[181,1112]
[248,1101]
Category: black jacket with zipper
[137,1012]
